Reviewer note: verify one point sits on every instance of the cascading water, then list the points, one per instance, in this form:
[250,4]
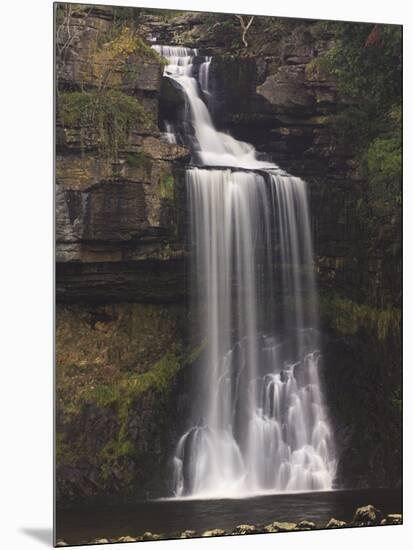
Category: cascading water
[261,424]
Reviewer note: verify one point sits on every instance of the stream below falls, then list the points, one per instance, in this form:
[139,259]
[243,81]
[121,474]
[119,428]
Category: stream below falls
[171,517]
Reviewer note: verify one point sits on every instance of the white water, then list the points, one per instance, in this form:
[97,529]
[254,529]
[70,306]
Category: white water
[213,148]
[169,134]
[260,423]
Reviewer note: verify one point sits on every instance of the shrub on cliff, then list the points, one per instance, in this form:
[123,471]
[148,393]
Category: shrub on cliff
[110,113]
[366,61]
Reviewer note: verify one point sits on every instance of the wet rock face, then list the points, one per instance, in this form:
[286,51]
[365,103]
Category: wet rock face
[120,229]
[147,77]
[233,82]
[368,455]
[286,113]
[279,100]
[156,281]
[285,90]
[114,212]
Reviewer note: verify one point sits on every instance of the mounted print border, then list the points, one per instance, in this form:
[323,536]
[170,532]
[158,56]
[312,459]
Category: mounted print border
[228,274]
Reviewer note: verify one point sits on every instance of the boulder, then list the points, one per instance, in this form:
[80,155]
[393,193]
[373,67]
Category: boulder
[127,538]
[61,543]
[392,519]
[285,91]
[306,525]
[188,534]
[367,515]
[280,527]
[213,533]
[335,524]
[245,529]
[102,540]
[151,536]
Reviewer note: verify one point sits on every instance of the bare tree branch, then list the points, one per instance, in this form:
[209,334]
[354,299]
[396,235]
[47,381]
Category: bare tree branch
[70,36]
[245,28]
[66,35]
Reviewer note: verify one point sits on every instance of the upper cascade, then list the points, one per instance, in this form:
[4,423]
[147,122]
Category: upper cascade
[212,148]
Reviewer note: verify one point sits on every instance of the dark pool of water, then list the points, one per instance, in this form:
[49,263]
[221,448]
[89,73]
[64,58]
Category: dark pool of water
[174,516]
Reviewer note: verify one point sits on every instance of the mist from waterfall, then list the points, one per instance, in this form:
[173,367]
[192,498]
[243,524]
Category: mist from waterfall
[260,424]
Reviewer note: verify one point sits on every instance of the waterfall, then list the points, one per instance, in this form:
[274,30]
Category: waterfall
[260,424]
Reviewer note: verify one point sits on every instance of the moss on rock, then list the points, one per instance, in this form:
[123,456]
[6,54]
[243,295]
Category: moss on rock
[347,318]
[109,114]
[166,187]
[116,370]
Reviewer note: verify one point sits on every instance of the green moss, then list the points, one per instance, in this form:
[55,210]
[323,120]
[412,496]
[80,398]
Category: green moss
[317,69]
[143,48]
[322,120]
[384,157]
[122,40]
[366,63]
[348,318]
[120,450]
[122,396]
[139,160]
[131,385]
[196,352]
[166,187]
[384,163]
[110,114]
[366,69]
[65,453]
[115,367]
[112,453]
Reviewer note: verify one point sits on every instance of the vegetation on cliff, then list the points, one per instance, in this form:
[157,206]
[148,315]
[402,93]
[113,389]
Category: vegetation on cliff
[347,318]
[110,113]
[366,60]
[116,367]
[104,105]
[116,370]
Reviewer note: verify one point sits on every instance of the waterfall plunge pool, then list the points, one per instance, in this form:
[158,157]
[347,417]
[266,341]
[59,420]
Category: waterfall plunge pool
[171,517]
